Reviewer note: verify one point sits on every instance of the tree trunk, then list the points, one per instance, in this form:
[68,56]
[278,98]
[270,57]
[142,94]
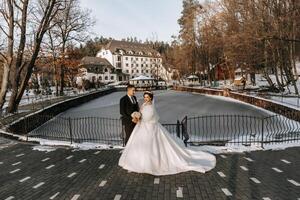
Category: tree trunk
[12,106]
[10,53]
[18,65]
[62,69]
[55,77]
[16,101]
[43,26]
[4,84]
[62,75]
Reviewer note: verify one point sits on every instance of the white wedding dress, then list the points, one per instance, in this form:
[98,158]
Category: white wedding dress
[152,150]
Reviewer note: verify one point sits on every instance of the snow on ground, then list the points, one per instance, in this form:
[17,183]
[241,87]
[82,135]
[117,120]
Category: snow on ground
[30,97]
[51,145]
[287,101]
[44,148]
[228,148]
[48,145]
[287,98]
[234,148]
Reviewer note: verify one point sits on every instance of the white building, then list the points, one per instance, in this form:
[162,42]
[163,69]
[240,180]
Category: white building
[134,59]
[98,69]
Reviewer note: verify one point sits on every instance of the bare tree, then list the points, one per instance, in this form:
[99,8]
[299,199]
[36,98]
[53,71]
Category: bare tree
[188,32]
[24,60]
[71,25]
[257,36]
[51,48]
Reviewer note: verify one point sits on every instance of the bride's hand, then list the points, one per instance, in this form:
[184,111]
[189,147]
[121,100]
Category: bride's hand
[135,120]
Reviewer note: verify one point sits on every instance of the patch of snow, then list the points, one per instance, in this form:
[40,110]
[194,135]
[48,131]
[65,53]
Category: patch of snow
[52,105]
[44,148]
[76,146]
[87,146]
[49,142]
[235,148]
[228,148]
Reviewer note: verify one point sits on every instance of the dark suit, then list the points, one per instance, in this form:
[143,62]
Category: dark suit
[126,109]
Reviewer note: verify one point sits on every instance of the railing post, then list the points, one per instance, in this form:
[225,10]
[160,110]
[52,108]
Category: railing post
[70,128]
[262,132]
[123,134]
[178,129]
[26,128]
[184,130]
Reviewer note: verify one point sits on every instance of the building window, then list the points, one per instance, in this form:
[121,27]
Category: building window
[137,71]
[100,78]
[136,58]
[150,59]
[132,71]
[146,65]
[141,59]
[131,58]
[112,78]
[131,65]
[147,71]
[127,71]
[127,65]
[142,65]
[106,78]
[142,71]
[126,58]
[106,70]
[137,65]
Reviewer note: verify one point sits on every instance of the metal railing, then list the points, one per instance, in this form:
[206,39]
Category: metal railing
[77,130]
[212,130]
[85,129]
[240,129]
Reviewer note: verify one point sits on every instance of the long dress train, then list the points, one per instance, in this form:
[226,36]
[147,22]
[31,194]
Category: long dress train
[152,150]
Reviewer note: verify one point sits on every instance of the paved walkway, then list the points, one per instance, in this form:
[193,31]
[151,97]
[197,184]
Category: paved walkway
[68,174]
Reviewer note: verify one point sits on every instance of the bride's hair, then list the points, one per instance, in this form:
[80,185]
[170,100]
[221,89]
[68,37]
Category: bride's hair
[149,93]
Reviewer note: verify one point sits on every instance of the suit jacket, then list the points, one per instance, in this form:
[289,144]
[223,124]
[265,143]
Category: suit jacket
[127,108]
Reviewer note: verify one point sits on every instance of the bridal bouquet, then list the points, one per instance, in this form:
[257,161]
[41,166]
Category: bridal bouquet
[136,116]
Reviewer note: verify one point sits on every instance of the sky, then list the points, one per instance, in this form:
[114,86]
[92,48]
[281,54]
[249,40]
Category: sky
[144,19]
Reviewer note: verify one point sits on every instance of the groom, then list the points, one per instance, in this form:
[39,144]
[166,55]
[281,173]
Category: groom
[128,105]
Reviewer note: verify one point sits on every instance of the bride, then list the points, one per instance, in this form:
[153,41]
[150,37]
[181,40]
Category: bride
[152,150]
